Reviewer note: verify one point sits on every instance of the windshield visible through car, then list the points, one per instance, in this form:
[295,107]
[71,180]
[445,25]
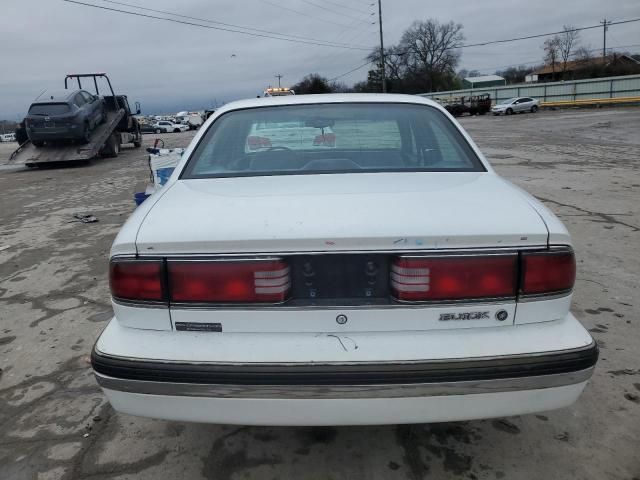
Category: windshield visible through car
[508,102]
[49,109]
[331,138]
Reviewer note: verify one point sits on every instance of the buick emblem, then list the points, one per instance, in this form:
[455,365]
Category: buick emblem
[341,319]
[502,315]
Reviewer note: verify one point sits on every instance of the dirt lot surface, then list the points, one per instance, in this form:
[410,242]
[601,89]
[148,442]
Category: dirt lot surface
[55,423]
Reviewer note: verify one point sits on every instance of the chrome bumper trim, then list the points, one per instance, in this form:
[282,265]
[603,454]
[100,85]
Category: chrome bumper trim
[342,391]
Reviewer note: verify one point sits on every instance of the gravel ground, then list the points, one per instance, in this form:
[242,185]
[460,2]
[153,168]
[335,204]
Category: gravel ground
[55,423]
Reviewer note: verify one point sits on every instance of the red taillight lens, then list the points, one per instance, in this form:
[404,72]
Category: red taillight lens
[548,272]
[136,280]
[229,281]
[453,278]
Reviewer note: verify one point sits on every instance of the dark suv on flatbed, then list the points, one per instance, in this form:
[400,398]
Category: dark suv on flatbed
[67,115]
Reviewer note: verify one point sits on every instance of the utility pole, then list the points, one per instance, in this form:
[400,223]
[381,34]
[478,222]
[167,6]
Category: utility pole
[279,76]
[604,37]
[382,69]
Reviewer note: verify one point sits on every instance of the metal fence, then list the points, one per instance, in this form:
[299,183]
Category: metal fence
[571,90]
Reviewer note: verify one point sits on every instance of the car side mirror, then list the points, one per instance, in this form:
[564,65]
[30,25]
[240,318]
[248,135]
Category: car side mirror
[138,111]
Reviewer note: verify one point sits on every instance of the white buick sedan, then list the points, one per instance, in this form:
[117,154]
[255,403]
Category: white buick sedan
[380,273]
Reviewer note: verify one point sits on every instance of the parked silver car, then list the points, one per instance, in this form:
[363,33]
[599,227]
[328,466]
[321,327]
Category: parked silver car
[65,115]
[516,105]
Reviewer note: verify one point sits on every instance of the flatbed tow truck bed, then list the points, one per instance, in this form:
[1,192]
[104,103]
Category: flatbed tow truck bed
[27,154]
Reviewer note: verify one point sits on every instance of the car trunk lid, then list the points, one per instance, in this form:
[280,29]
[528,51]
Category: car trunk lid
[338,236]
[339,212]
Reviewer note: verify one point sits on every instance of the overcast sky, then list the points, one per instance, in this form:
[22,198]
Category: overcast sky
[170,67]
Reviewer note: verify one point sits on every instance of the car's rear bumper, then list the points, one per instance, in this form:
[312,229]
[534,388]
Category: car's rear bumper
[345,393]
[57,133]
[343,411]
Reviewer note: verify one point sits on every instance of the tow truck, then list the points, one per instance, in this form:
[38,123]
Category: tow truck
[120,127]
[473,105]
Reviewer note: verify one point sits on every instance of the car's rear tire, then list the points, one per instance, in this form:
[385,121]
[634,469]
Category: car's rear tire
[509,111]
[534,109]
[86,134]
[176,130]
[38,143]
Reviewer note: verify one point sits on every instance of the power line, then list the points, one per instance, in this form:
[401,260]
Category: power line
[333,11]
[354,34]
[350,71]
[350,32]
[359,32]
[492,42]
[306,15]
[539,35]
[307,42]
[348,8]
[164,12]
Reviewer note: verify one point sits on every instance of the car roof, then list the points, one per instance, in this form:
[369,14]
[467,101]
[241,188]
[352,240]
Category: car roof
[327,98]
[49,96]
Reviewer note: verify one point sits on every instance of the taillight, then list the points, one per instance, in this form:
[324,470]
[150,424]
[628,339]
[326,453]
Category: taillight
[553,271]
[136,280]
[454,277]
[245,281]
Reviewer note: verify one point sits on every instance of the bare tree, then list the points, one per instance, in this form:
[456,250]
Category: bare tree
[394,61]
[312,83]
[431,49]
[567,41]
[463,73]
[552,52]
[583,54]
[339,87]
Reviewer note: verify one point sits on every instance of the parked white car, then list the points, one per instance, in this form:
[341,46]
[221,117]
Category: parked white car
[516,105]
[164,126]
[392,278]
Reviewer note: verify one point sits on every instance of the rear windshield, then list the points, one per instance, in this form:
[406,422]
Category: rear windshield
[49,109]
[331,138]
